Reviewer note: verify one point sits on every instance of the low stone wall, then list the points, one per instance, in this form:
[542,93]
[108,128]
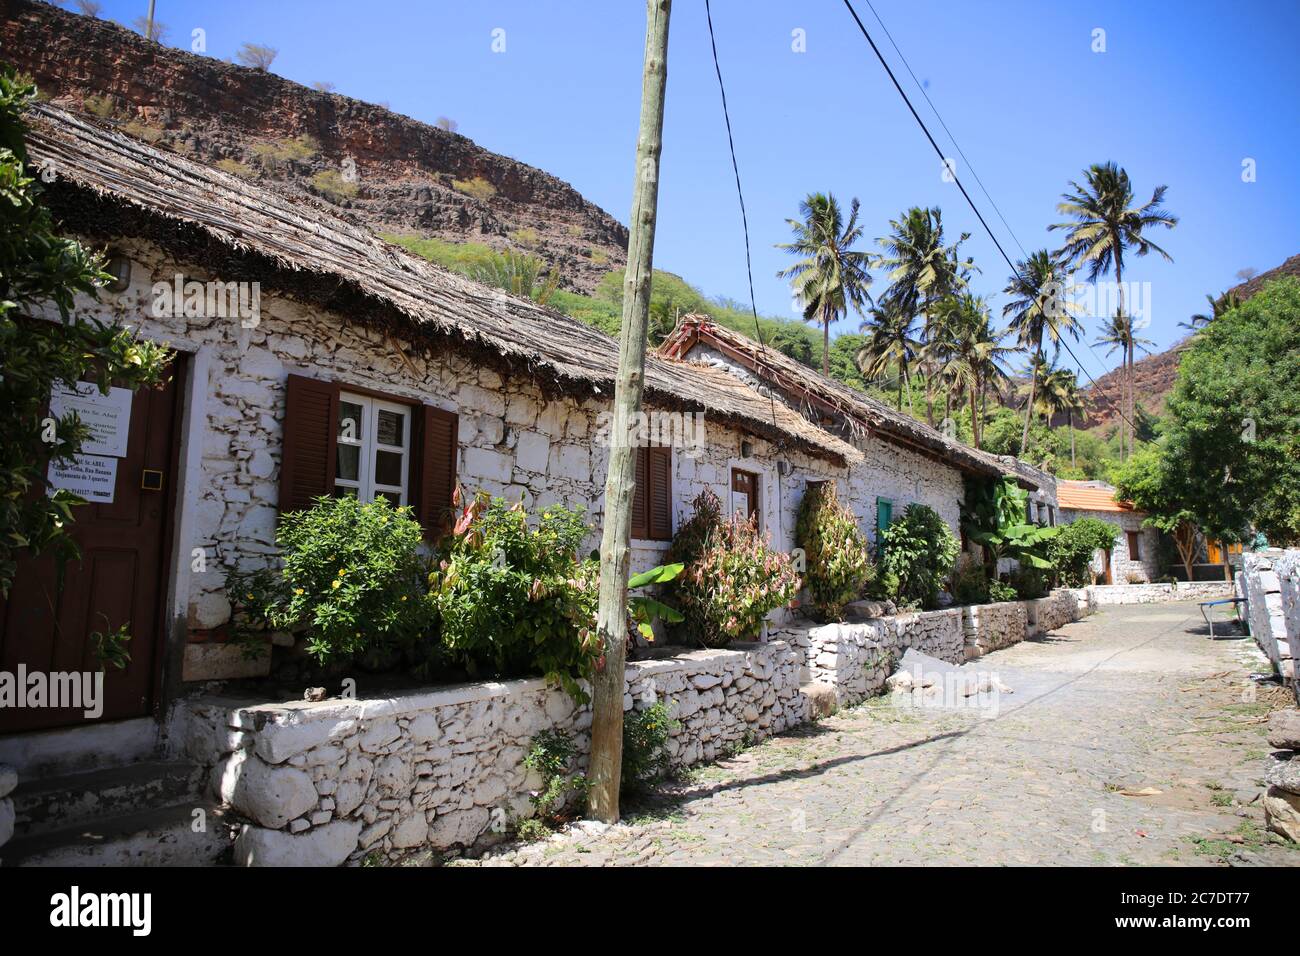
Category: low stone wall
[1268,617]
[322,783]
[1287,569]
[1059,608]
[988,627]
[1108,594]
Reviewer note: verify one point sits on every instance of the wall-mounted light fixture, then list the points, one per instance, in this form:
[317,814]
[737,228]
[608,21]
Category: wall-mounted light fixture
[746,448]
[119,267]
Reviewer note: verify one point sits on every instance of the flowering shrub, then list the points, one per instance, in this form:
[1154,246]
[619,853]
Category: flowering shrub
[732,579]
[838,559]
[515,599]
[919,549]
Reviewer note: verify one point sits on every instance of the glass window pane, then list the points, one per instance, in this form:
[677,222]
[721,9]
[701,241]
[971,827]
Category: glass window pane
[349,462]
[388,468]
[343,491]
[350,415]
[392,496]
[391,427]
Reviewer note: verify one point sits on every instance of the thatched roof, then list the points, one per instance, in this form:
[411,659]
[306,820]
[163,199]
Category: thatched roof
[832,403]
[217,220]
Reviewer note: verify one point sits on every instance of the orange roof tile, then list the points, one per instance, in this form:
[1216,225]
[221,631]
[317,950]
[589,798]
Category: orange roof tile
[1086,496]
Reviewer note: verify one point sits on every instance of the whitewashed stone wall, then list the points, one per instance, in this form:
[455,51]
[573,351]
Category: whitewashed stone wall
[1268,620]
[1046,614]
[988,627]
[1106,594]
[856,657]
[886,471]
[327,782]
[1122,566]
[513,442]
[1287,569]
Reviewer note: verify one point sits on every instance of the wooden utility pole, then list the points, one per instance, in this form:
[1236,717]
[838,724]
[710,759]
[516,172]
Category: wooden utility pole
[605,767]
[149,23]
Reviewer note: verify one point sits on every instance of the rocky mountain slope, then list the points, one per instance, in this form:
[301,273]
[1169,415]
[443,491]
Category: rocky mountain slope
[391,172]
[1154,376]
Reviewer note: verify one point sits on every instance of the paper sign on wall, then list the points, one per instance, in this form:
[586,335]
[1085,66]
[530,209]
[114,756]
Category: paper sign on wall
[740,503]
[93,477]
[108,417]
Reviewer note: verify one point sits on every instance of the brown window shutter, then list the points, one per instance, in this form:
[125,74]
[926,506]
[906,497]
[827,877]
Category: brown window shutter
[435,480]
[640,523]
[660,509]
[307,457]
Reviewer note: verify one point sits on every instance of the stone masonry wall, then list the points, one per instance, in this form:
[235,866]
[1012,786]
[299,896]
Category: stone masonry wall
[323,783]
[1268,619]
[988,627]
[1106,594]
[1287,569]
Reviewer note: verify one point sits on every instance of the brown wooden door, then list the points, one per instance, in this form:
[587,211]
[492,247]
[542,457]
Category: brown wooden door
[1105,567]
[121,578]
[744,485]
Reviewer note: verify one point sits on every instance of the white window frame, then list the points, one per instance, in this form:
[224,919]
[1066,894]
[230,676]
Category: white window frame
[366,488]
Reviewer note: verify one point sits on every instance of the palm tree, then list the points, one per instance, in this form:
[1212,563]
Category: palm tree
[1224,303]
[1117,333]
[1038,309]
[973,350]
[1063,386]
[1104,224]
[890,346]
[922,271]
[830,276]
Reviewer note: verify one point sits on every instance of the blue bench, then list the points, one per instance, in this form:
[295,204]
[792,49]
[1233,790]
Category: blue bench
[1206,605]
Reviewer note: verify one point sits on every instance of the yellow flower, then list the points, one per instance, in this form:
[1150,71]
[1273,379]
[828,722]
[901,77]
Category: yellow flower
[297,590]
[335,584]
[403,597]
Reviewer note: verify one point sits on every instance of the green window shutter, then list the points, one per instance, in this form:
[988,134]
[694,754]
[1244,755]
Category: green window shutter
[884,514]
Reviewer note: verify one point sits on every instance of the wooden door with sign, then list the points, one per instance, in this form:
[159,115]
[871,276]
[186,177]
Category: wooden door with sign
[120,579]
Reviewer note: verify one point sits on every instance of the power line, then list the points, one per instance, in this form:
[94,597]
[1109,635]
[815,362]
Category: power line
[943,159]
[969,165]
[740,193]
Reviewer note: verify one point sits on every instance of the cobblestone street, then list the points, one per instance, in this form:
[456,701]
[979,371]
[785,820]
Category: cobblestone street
[1127,738]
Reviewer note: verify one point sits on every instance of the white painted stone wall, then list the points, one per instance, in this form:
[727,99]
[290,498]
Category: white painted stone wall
[1268,621]
[1044,615]
[1122,566]
[1287,569]
[988,627]
[327,782]
[513,442]
[1106,594]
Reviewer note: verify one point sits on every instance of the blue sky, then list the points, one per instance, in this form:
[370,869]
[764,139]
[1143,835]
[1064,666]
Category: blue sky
[1184,92]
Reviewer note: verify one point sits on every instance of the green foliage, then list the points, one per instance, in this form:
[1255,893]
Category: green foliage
[993,515]
[645,734]
[918,549]
[352,581]
[110,646]
[297,149]
[513,599]
[101,107]
[520,275]
[551,756]
[1232,443]
[1070,552]
[39,270]
[1001,591]
[970,583]
[837,554]
[732,578]
[235,167]
[1028,583]
[645,610]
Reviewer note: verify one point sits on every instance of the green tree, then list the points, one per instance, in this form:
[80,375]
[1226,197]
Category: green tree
[1104,224]
[974,356]
[890,346]
[40,273]
[831,276]
[1233,421]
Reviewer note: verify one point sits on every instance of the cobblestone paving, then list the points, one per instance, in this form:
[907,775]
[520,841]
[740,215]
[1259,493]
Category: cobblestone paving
[1103,712]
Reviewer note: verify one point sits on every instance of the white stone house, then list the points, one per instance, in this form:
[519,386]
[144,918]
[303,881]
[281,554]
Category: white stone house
[347,366]
[1134,559]
[900,460]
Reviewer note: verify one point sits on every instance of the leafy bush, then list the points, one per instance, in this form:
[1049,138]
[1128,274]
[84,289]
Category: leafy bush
[299,149]
[352,580]
[732,578]
[1071,551]
[919,549]
[970,584]
[645,734]
[550,756]
[838,559]
[1001,591]
[513,599]
[333,185]
[1027,583]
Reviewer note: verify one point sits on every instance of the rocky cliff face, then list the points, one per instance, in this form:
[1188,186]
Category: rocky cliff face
[1153,377]
[389,171]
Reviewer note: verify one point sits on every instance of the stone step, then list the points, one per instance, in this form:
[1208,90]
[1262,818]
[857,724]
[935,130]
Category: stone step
[158,836]
[53,803]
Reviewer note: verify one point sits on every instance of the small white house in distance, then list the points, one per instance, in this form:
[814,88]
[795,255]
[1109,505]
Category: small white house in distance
[1134,558]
